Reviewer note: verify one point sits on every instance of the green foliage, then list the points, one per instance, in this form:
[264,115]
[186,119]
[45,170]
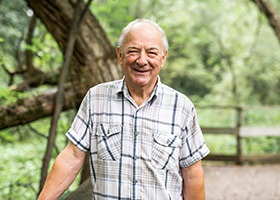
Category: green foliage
[24,148]
[8,97]
[120,10]
[221,144]
[217,117]
[14,25]
[262,117]
[19,174]
[205,39]
[261,145]
[47,53]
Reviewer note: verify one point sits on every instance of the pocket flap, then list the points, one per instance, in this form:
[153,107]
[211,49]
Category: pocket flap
[108,130]
[167,139]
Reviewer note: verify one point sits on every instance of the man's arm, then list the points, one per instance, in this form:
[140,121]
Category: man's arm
[193,184]
[64,170]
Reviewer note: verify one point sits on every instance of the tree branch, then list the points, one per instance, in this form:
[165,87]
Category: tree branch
[271,15]
[31,109]
[28,41]
[36,132]
[35,81]
[77,18]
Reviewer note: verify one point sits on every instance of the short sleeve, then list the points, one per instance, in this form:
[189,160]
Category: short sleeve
[194,147]
[79,132]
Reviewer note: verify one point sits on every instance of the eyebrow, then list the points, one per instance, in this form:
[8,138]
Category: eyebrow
[154,48]
[151,48]
[132,47]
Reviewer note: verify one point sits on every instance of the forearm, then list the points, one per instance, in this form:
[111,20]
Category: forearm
[193,185]
[62,174]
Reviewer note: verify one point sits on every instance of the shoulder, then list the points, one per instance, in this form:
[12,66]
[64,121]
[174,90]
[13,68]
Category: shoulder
[106,87]
[182,99]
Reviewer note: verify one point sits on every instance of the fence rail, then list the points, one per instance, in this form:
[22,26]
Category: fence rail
[240,132]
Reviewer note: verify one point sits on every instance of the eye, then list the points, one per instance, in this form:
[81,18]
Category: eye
[152,53]
[132,52]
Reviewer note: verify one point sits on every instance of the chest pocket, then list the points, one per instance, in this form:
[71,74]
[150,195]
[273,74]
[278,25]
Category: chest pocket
[108,142]
[166,149]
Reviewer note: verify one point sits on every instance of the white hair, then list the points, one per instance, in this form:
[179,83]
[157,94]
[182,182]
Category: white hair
[143,21]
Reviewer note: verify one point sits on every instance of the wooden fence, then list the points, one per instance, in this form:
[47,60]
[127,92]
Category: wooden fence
[241,131]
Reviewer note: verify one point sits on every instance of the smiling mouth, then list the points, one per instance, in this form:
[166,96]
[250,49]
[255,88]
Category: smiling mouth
[141,71]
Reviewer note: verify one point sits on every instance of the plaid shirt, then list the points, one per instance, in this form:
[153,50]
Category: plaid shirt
[136,152]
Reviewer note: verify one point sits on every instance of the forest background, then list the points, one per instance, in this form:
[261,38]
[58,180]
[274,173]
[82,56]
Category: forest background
[221,53]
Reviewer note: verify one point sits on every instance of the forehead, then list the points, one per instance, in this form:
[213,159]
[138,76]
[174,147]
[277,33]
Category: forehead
[143,35]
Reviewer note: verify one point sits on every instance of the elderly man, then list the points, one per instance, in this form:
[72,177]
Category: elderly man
[143,137]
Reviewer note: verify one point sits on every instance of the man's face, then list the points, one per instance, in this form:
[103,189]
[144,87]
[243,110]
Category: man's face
[142,56]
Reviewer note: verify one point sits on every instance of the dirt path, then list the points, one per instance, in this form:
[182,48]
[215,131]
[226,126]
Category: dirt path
[256,182]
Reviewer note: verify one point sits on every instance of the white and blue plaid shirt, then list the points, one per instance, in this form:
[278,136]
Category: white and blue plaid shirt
[136,152]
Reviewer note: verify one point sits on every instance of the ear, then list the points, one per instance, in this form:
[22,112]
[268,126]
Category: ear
[119,54]
[164,56]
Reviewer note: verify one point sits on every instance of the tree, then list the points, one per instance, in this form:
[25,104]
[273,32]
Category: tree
[93,61]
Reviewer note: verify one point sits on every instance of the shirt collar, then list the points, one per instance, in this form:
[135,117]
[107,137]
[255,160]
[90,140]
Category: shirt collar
[122,88]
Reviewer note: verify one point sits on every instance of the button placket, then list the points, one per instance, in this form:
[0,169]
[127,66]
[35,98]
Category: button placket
[136,156]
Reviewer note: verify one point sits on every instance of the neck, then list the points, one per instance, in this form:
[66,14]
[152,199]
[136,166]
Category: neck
[140,94]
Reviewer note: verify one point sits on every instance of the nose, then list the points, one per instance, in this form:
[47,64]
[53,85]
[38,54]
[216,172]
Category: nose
[142,59]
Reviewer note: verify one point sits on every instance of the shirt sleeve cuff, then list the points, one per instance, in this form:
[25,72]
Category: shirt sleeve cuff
[199,154]
[81,144]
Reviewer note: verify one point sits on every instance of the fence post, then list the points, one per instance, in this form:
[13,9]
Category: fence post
[238,137]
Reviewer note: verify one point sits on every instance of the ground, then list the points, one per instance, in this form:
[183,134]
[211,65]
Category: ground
[232,182]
